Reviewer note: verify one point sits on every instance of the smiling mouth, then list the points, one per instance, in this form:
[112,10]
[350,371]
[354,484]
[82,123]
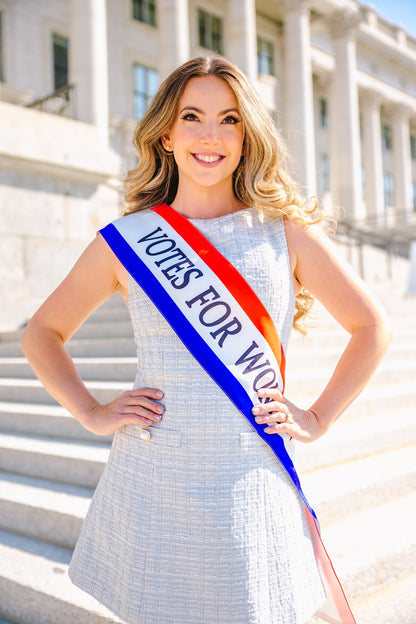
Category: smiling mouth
[208,158]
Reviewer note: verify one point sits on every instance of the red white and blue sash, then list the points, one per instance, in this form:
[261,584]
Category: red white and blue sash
[225,326]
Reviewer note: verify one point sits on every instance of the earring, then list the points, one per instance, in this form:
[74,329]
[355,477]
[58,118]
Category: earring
[168,149]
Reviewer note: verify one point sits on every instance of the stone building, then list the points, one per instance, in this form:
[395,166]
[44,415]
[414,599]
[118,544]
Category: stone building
[75,74]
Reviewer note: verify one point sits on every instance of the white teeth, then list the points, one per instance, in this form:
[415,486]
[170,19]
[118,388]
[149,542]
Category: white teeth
[207,158]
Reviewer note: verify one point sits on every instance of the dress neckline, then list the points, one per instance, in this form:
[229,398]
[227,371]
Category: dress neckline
[225,217]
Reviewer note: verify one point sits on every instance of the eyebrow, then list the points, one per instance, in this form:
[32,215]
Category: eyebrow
[198,110]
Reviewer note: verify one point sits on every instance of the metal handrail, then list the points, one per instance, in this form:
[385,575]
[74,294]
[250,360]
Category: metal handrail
[60,102]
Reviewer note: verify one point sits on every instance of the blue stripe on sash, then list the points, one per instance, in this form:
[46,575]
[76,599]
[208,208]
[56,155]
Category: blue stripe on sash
[196,345]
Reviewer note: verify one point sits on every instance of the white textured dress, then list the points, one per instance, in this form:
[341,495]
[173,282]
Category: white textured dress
[201,524]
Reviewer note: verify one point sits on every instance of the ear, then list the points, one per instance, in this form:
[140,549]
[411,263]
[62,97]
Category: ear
[166,142]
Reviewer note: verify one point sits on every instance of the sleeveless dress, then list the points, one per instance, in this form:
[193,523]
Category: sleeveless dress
[201,524]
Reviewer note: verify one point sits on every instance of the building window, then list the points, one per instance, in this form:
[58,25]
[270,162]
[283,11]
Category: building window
[145,11]
[324,173]
[323,112]
[413,145]
[386,137]
[388,189]
[146,82]
[210,31]
[265,57]
[1,49]
[60,61]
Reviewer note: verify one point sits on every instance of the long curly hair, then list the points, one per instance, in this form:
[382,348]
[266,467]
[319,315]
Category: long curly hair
[261,179]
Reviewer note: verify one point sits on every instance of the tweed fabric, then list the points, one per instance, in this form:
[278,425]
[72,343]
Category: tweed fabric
[201,524]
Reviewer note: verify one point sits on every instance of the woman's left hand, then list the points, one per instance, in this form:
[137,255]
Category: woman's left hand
[281,416]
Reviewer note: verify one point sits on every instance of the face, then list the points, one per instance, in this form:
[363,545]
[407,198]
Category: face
[207,136]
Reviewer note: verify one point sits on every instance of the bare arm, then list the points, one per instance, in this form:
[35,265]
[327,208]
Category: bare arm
[318,268]
[95,277]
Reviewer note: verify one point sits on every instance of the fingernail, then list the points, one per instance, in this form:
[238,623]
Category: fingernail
[257,419]
[255,410]
[159,394]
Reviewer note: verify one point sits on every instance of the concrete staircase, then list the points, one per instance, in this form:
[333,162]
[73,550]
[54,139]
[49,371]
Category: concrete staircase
[360,477]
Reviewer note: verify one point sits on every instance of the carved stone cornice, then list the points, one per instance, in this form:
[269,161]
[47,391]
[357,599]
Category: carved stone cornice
[370,98]
[343,24]
[291,6]
[322,79]
[399,111]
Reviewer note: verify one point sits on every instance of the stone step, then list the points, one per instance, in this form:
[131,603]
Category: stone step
[338,492]
[393,604]
[92,329]
[94,368]
[76,463]
[327,356]
[44,420]
[337,338]
[314,379]
[373,548]
[93,347]
[32,391]
[50,511]
[372,401]
[111,329]
[104,314]
[35,588]
[110,311]
[348,440]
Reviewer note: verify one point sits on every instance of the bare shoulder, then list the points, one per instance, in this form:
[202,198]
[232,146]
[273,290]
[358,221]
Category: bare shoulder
[298,234]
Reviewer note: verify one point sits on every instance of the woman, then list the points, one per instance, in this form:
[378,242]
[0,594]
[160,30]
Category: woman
[195,521]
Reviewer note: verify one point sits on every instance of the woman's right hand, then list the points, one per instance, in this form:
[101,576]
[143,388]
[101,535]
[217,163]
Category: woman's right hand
[134,407]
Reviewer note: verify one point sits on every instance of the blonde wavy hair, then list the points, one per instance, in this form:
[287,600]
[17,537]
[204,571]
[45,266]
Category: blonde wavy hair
[261,179]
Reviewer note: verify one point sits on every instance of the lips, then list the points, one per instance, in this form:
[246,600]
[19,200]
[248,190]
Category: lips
[208,159]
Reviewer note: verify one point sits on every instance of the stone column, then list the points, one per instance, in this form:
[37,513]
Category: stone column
[345,124]
[402,160]
[373,157]
[241,37]
[298,92]
[88,63]
[173,26]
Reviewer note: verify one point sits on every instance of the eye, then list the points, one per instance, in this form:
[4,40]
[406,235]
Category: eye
[230,119]
[189,117]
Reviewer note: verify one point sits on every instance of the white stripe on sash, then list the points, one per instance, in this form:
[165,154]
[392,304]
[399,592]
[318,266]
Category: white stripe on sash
[204,299]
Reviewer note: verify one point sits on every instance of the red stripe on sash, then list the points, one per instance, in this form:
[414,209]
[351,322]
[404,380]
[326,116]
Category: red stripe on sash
[225,271]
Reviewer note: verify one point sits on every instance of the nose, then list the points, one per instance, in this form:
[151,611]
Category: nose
[210,132]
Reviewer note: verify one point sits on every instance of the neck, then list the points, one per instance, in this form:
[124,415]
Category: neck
[206,203]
